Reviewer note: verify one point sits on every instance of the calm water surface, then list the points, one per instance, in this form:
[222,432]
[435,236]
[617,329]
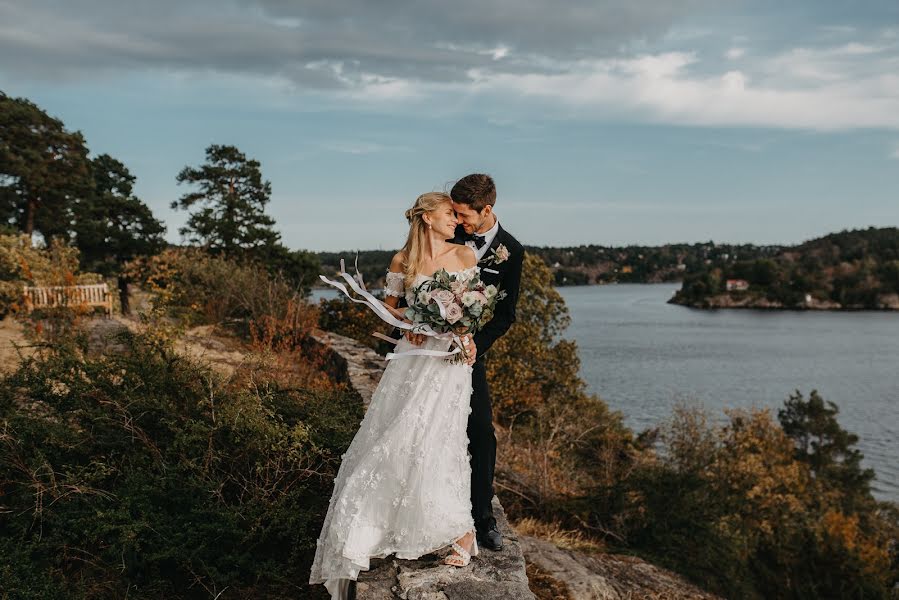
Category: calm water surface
[642,356]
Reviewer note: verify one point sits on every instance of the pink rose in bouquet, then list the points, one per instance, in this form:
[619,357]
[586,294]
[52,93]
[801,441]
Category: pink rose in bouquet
[444,297]
[453,313]
[454,303]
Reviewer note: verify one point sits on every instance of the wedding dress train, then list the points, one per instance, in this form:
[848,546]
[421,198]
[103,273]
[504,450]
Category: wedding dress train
[404,485]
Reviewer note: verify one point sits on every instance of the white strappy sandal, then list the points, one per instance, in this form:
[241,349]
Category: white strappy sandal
[462,557]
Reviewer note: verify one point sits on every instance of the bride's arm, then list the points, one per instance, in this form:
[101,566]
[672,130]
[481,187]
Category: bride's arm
[392,302]
[394,287]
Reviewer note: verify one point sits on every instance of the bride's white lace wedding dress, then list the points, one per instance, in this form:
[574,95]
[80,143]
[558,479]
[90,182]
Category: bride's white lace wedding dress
[404,485]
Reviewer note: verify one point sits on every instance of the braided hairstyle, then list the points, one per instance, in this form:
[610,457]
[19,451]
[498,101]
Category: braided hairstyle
[416,242]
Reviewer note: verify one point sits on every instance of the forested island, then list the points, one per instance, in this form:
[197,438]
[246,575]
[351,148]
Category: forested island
[850,270]
[593,264]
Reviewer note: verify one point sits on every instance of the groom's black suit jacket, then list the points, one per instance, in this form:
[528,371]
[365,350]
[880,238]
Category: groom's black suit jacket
[506,276]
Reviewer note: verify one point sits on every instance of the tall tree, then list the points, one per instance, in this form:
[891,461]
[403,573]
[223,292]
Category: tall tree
[112,226]
[43,168]
[827,448]
[231,204]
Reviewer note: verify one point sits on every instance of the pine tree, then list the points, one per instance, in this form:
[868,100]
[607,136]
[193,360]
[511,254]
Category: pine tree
[112,226]
[826,447]
[43,169]
[230,216]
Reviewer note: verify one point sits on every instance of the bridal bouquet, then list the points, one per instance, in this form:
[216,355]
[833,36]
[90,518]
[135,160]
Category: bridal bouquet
[456,303]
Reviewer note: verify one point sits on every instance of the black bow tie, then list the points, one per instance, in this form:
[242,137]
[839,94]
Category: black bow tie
[479,240]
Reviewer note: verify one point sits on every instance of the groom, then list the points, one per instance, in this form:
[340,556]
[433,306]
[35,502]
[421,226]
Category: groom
[500,257]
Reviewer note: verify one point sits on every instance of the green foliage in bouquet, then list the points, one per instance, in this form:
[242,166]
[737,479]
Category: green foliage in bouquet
[456,302]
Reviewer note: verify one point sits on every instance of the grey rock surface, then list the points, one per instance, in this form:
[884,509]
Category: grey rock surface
[608,576]
[350,361]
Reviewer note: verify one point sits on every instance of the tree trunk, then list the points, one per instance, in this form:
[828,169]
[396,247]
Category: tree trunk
[29,217]
[123,294]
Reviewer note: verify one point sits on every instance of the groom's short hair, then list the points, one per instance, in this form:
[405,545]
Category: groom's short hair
[476,190]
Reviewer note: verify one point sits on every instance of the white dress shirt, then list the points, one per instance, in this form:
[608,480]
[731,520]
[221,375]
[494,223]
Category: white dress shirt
[488,239]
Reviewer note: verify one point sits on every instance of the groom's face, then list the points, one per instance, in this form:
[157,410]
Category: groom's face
[472,220]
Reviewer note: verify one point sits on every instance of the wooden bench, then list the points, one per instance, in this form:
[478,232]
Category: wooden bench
[68,295]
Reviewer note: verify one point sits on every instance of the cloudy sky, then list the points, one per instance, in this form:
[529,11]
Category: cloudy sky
[602,121]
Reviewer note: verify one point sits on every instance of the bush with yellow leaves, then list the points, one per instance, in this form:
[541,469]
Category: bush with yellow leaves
[22,264]
[734,508]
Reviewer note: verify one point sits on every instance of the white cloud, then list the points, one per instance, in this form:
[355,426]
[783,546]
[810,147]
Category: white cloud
[353,147]
[495,52]
[735,53]
[847,86]
[499,52]
[838,30]
[895,151]
[809,91]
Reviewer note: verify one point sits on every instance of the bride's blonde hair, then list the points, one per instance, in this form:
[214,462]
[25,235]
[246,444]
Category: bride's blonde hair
[416,242]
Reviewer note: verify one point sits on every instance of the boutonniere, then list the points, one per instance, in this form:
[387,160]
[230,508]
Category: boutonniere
[497,255]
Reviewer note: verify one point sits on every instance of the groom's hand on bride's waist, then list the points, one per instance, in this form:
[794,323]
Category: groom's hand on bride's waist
[471,349]
[415,338]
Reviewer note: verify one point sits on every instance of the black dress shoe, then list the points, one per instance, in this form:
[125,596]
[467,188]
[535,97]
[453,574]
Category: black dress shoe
[490,538]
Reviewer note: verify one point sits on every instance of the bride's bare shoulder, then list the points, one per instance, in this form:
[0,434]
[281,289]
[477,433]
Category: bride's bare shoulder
[467,256]
[398,262]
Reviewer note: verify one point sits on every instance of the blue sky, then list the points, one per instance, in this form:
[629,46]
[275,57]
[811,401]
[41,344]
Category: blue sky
[609,122]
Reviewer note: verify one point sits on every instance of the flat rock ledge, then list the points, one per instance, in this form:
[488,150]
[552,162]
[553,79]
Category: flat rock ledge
[608,576]
[490,575]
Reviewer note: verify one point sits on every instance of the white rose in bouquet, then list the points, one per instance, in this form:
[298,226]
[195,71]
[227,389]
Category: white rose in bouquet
[469,298]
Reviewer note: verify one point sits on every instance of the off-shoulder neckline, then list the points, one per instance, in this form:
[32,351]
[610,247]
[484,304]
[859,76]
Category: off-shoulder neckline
[435,272]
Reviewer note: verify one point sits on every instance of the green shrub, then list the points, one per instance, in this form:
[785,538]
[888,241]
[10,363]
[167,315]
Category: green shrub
[143,474]
[202,288]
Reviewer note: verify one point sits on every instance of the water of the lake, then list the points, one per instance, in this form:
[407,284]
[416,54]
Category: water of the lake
[641,356]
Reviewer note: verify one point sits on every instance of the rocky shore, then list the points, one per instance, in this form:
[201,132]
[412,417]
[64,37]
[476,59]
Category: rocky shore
[885,302]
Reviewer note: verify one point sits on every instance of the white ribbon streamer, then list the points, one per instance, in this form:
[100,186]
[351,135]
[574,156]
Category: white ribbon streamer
[358,285]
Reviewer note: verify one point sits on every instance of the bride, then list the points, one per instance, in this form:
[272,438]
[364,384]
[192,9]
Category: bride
[404,484]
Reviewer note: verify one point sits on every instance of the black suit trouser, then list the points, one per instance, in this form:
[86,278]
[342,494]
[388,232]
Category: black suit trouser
[482,447]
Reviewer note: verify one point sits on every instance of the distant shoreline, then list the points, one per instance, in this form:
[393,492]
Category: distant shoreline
[724,302]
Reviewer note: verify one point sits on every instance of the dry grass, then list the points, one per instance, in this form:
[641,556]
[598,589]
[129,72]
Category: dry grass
[568,539]
[545,586]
